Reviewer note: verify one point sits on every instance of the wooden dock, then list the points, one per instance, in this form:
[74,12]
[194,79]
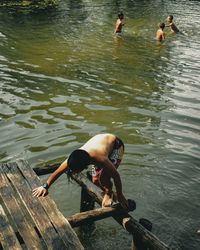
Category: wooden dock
[27,222]
[36,223]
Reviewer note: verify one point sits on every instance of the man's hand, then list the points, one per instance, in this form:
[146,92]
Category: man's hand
[122,200]
[107,201]
[39,191]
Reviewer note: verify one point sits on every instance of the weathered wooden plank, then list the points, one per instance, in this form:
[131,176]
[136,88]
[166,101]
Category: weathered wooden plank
[14,207]
[8,238]
[98,214]
[93,190]
[34,207]
[59,221]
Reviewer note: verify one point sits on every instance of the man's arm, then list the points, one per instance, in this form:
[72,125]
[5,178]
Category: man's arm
[113,173]
[42,190]
[57,173]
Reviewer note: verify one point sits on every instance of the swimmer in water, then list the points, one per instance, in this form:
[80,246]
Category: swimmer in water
[171,24]
[119,24]
[160,35]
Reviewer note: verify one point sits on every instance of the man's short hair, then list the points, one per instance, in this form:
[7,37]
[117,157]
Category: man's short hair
[78,160]
[171,17]
[120,14]
[162,25]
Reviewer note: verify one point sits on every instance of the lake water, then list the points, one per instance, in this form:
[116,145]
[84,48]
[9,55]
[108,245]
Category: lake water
[64,77]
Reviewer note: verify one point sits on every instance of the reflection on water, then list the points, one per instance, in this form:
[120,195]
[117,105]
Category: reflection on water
[65,77]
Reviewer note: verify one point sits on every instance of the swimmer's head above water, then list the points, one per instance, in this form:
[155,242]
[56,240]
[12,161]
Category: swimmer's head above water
[121,15]
[162,25]
[170,18]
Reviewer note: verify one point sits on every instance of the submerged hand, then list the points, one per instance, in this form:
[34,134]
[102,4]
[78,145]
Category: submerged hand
[39,191]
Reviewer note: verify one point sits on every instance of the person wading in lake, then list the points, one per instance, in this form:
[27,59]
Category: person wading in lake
[105,152]
[119,24]
[160,36]
[171,24]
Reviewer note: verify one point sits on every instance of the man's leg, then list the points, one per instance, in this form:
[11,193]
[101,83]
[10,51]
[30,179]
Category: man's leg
[106,184]
[115,157]
[99,177]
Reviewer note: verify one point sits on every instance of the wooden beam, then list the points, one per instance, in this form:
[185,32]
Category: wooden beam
[98,214]
[47,169]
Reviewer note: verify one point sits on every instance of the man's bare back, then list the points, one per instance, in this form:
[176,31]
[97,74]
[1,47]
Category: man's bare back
[160,36]
[101,144]
[173,27]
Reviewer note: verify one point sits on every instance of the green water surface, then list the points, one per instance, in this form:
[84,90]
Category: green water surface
[65,77]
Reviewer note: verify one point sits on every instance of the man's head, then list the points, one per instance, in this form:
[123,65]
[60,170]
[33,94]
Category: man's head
[121,15]
[78,160]
[170,18]
[162,26]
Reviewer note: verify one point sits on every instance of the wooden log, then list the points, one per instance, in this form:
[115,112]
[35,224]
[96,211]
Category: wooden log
[47,169]
[98,214]
[137,243]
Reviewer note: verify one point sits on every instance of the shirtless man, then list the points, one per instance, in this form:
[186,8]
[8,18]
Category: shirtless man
[171,24]
[119,24]
[160,35]
[105,152]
